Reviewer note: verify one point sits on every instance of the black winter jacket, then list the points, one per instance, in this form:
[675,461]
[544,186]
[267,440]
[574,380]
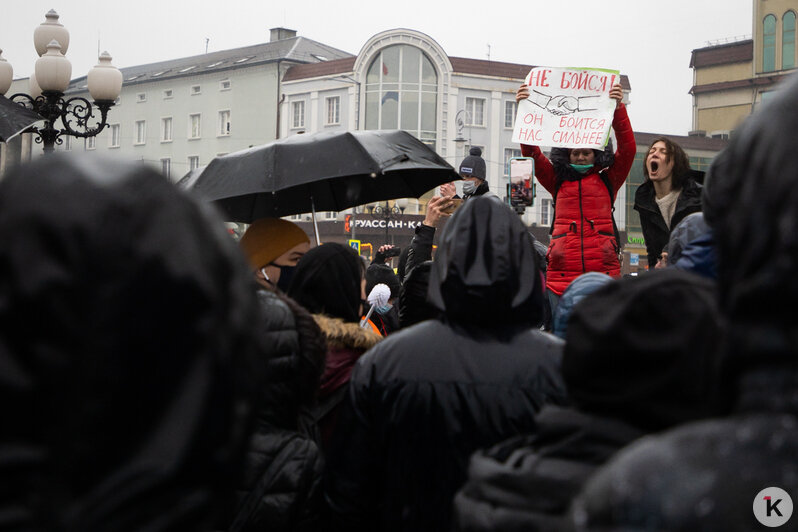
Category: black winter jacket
[655,231]
[292,498]
[526,484]
[425,398]
[622,368]
[703,475]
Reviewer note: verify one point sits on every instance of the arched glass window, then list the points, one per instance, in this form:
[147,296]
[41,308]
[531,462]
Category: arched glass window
[402,92]
[788,40]
[769,44]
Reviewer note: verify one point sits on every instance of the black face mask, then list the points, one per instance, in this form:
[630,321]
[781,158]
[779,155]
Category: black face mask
[286,274]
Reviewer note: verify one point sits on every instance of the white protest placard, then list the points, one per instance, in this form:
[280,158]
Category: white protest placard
[566,108]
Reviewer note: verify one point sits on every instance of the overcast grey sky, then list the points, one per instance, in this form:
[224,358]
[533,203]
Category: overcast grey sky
[648,41]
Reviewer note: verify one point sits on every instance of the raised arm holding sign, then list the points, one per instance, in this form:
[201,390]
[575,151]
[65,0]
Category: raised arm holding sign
[572,110]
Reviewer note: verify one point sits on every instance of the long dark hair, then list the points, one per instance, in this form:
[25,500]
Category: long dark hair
[327,281]
[681,163]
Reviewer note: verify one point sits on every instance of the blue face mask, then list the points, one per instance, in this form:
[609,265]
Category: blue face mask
[384,309]
[581,168]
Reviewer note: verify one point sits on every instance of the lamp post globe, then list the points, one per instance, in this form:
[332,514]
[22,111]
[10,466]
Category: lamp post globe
[50,30]
[78,117]
[6,74]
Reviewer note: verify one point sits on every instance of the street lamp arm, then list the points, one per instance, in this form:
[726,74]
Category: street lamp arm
[52,106]
[83,111]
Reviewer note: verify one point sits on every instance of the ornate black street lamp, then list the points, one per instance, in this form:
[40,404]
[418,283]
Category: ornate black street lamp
[78,117]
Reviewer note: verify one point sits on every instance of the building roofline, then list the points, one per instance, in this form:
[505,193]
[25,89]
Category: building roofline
[460,65]
[723,54]
[761,81]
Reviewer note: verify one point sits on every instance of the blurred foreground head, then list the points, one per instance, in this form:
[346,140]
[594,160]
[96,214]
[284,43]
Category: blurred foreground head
[127,356]
[750,201]
[628,350]
[485,271]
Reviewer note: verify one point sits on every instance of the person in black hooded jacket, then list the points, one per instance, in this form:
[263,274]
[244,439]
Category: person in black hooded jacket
[422,400]
[632,366]
[128,350]
[705,476]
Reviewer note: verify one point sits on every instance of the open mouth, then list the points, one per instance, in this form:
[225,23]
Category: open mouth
[654,166]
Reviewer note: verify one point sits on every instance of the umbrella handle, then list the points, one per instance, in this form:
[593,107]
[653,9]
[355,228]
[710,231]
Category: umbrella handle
[315,224]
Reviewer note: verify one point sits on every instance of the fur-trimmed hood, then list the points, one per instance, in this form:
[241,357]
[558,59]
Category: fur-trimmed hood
[340,333]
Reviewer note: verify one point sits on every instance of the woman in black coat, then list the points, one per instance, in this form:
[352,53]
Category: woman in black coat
[668,194]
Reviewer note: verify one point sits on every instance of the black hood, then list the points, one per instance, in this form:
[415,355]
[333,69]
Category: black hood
[750,200]
[642,349]
[485,270]
[127,354]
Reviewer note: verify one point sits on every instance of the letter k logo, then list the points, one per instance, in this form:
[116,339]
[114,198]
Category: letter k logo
[772,506]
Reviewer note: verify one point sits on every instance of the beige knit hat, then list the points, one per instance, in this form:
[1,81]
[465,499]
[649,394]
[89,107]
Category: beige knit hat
[268,238]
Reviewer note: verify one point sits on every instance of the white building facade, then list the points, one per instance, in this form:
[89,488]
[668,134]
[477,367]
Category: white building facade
[179,114]
[403,79]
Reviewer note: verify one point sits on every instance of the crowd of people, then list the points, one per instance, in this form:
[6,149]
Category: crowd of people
[157,375]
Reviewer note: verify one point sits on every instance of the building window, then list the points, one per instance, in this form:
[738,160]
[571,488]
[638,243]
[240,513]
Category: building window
[545,212]
[402,92]
[788,40]
[114,140]
[330,215]
[333,110]
[193,162]
[509,153]
[194,124]
[769,44]
[141,131]
[91,143]
[166,129]
[167,94]
[224,123]
[475,112]
[510,109]
[166,167]
[298,114]
[195,89]
[141,97]
[224,85]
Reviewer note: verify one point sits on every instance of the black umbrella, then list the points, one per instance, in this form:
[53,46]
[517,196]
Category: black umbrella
[14,118]
[326,171]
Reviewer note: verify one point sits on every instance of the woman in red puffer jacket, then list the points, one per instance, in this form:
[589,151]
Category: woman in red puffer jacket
[583,183]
